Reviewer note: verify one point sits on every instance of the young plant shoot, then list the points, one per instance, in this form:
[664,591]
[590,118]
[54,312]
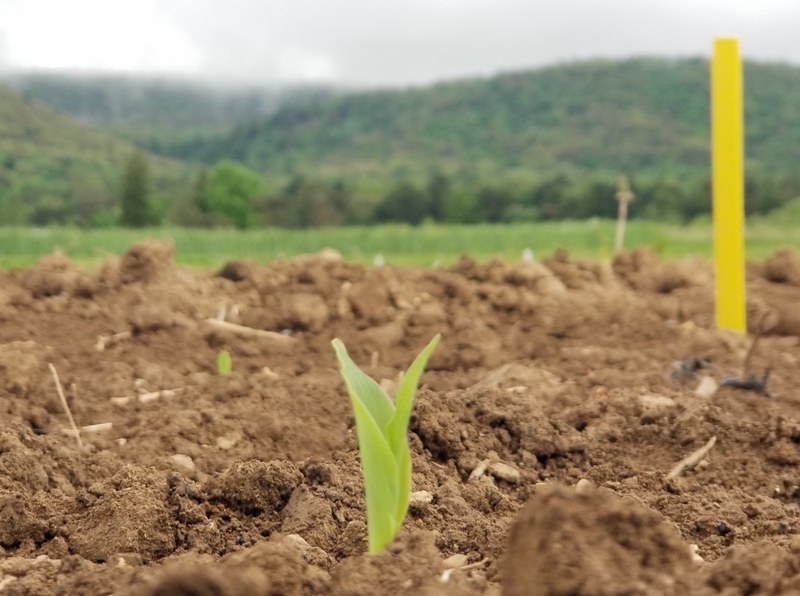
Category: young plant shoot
[382,427]
[224,363]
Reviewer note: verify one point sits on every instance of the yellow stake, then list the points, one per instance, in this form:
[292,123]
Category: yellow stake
[728,185]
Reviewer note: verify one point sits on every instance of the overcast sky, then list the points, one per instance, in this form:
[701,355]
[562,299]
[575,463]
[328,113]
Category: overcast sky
[377,42]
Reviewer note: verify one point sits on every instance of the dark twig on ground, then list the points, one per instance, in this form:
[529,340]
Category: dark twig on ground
[751,383]
[686,370]
[748,381]
[753,345]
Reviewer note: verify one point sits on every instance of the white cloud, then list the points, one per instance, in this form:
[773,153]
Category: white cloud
[95,34]
[3,53]
[379,41]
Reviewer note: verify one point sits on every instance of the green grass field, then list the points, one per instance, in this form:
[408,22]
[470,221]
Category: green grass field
[399,245]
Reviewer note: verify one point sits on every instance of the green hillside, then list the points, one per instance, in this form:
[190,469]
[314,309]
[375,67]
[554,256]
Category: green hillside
[545,144]
[639,116]
[643,116]
[174,117]
[54,169]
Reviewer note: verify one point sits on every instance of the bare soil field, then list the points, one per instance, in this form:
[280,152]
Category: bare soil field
[552,437]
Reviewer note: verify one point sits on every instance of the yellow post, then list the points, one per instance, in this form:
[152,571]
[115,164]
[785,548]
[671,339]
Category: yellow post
[728,185]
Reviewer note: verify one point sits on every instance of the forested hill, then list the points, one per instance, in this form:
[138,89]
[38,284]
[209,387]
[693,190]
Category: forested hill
[641,116]
[646,116]
[542,144]
[159,114]
[53,168]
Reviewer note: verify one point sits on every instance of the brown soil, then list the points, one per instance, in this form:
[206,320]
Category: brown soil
[560,398]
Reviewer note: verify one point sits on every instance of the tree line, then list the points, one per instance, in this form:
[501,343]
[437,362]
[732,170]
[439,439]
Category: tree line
[232,195]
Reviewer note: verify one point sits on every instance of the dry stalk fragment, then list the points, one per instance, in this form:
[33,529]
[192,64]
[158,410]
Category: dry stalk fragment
[690,460]
[90,428]
[64,403]
[250,331]
[106,341]
[144,398]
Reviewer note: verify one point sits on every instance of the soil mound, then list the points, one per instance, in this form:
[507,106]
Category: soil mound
[590,541]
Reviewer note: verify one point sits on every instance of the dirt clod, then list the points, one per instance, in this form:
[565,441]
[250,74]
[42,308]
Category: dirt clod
[256,485]
[593,542]
[146,261]
[783,267]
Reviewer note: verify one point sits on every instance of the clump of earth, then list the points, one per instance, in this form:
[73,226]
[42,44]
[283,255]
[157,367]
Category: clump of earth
[557,439]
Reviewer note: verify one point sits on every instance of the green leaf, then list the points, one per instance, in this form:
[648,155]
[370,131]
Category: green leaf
[380,479]
[397,431]
[403,462]
[373,411]
[382,428]
[368,391]
[224,364]
[404,398]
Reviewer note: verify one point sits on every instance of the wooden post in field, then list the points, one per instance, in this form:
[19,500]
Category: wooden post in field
[624,196]
[727,131]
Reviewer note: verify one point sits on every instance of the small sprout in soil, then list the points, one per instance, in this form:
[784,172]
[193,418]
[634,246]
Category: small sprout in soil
[382,427]
[224,364]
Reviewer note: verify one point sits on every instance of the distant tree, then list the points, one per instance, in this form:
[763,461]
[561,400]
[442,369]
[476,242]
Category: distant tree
[462,206]
[550,196]
[200,195]
[305,203]
[339,196]
[137,211]
[698,200]
[493,203]
[49,210]
[594,198]
[438,192]
[405,203]
[297,200]
[761,191]
[660,199]
[232,188]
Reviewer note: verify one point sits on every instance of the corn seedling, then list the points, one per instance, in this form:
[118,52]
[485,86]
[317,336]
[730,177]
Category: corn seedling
[382,427]
[224,364]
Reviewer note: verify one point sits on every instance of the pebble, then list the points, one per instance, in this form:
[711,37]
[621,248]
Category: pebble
[706,388]
[228,441]
[298,540]
[129,560]
[503,471]
[656,401]
[455,561]
[270,374]
[479,470]
[183,461]
[693,548]
[421,496]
